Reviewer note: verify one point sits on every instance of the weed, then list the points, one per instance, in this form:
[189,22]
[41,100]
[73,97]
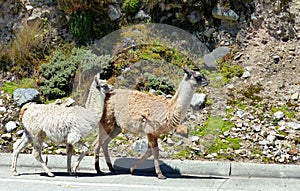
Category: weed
[131,6]
[10,87]
[285,109]
[28,48]
[81,26]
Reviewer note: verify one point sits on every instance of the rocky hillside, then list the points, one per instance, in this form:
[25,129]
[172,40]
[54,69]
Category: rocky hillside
[261,107]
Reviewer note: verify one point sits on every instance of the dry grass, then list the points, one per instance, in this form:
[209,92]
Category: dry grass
[28,48]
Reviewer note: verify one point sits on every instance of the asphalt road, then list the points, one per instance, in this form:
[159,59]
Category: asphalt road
[33,179]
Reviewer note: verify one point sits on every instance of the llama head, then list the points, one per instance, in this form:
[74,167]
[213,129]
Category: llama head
[195,78]
[102,85]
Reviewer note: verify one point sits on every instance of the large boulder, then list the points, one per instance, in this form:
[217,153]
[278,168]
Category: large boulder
[212,58]
[22,96]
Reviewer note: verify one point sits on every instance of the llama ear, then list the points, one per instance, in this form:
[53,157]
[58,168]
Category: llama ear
[188,71]
[97,79]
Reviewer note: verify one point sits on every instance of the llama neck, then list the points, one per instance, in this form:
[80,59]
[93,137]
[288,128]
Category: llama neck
[95,101]
[182,99]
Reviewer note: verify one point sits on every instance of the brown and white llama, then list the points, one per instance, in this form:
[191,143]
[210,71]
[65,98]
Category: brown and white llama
[142,113]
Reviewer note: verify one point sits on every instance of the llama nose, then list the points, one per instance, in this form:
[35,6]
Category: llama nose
[204,82]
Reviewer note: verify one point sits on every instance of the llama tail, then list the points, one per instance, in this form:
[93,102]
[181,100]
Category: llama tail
[23,109]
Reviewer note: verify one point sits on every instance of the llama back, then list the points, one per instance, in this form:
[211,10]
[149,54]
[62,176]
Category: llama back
[138,112]
[58,119]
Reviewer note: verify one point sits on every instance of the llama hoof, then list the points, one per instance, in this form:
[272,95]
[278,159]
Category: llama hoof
[131,170]
[15,173]
[100,173]
[50,174]
[160,176]
[112,170]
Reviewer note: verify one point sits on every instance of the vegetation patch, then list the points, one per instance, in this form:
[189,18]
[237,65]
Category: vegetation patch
[131,6]
[288,113]
[10,87]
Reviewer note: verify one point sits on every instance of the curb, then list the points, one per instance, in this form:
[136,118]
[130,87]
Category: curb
[171,167]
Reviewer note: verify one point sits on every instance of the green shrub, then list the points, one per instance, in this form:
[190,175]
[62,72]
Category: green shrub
[131,6]
[58,75]
[81,25]
[160,84]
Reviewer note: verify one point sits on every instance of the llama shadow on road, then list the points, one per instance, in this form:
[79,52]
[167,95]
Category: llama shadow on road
[123,165]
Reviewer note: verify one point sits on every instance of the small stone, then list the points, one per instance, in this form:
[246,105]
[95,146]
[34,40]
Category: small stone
[239,125]
[198,101]
[195,138]
[6,136]
[10,126]
[69,102]
[29,7]
[256,128]
[194,17]
[240,113]
[142,15]
[1,102]
[276,59]
[224,13]
[294,125]
[209,32]
[271,138]
[2,109]
[278,115]
[246,74]
[62,151]
[264,142]
[281,160]
[114,12]
[295,96]
[226,133]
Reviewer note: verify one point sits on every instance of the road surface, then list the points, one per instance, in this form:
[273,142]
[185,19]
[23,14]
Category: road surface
[33,179]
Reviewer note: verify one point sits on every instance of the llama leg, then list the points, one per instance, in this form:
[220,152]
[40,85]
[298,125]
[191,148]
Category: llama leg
[84,149]
[155,151]
[18,146]
[141,160]
[37,151]
[69,158]
[112,135]
[145,156]
[102,136]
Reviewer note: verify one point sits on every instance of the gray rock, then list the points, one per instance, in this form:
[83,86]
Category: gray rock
[198,101]
[209,32]
[264,142]
[256,128]
[22,96]
[240,113]
[69,102]
[278,115]
[10,126]
[142,15]
[246,74]
[194,17]
[6,136]
[114,12]
[271,138]
[293,125]
[224,13]
[2,109]
[212,58]
[295,96]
